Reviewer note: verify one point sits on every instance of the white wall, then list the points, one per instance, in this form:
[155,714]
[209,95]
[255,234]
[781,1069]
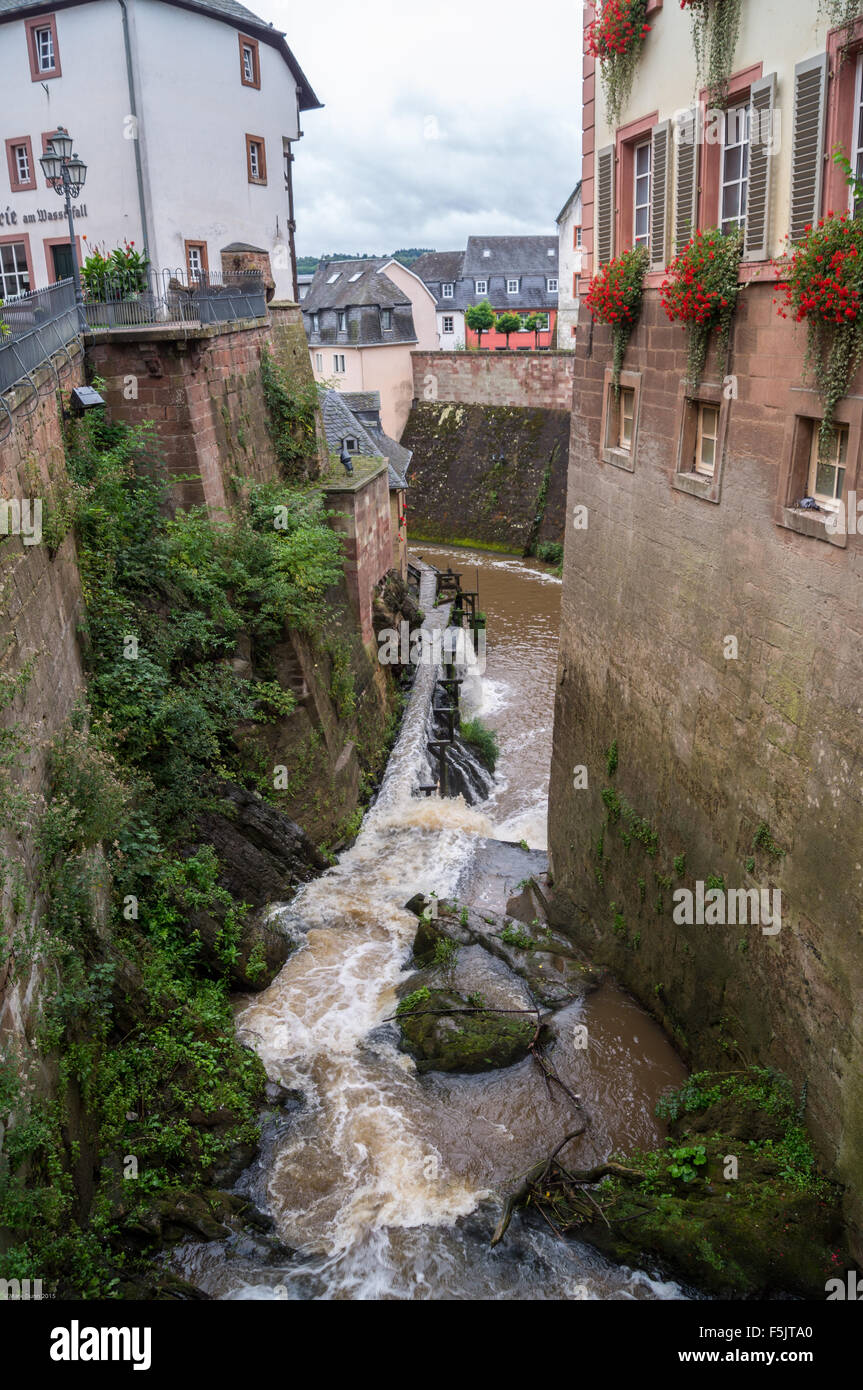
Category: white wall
[194,114]
[570,265]
[450,341]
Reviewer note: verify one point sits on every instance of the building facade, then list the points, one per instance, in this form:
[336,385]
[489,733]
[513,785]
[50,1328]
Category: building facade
[516,274]
[441,273]
[362,320]
[186,115]
[570,254]
[710,623]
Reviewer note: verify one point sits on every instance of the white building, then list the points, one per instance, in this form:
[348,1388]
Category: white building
[185,113]
[570,258]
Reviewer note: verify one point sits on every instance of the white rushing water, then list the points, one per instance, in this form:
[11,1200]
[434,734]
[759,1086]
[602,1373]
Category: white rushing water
[384,1182]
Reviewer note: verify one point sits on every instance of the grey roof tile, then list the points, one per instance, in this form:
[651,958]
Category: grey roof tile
[510,255]
[340,422]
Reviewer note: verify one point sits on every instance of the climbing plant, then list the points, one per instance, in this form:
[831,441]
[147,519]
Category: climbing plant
[700,292]
[840,11]
[615,297]
[615,40]
[715,29]
[822,283]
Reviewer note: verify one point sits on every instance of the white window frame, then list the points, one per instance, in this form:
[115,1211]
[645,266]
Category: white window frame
[11,280]
[509,285]
[319,361]
[480,286]
[196,259]
[249,64]
[316,323]
[339,363]
[448,319]
[552,284]
[578,237]
[742,180]
[46,60]
[705,470]
[343,320]
[446,291]
[22,163]
[641,195]
[255,158]
[626,418]
[839,463]
[857,132]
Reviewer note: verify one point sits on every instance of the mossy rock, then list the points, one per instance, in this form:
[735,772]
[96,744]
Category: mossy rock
[462,1042]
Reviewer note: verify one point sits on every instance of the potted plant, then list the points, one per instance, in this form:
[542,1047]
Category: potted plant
[615,297]
[700,292]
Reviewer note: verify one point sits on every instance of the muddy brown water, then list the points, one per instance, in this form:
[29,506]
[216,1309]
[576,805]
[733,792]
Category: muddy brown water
[387,1185]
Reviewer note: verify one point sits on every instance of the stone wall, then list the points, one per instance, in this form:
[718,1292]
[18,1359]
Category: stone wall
[533,380]
[41,604]
[362,517]
[494,476]
[743,767]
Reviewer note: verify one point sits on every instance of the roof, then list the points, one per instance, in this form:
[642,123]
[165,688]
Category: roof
[357,283]
[439,267]
[228,11]
[340,422]
[568,204]
[510,255]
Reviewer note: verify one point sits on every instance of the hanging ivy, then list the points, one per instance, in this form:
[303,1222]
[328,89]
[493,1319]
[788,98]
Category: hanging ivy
[822,282]
[700,292]
[715,29]
[615,297]
[840,11]
[615,40]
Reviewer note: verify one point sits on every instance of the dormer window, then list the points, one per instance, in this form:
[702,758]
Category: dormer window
[357,275]
[512,286]
[447,291]
[550,251]
[343,321]
[250,62]
[316,323]
[551,284]
[486,254]
[481,286]
[386,319]
[349,443]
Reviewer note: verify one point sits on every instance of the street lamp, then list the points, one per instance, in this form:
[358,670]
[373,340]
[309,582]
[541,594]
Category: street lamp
[66,174]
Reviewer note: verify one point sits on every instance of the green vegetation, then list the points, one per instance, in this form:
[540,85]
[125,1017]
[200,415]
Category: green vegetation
[480,318]
[550,552]
[518,937]
[292,418]
[483,741]
[763,840]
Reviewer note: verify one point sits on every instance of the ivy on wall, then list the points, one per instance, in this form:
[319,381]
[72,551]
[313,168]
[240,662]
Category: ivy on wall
[715,29]
[615,39]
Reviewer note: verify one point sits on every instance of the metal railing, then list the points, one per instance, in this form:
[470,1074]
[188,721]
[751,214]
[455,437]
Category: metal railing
[35,326]
[174,296]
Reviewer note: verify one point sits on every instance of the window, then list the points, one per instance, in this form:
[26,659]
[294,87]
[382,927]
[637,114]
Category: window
[448,324]
[735,168]
[481,286]
[357,275]
[196,260]
[343,321]
[333,278]
[576,241]
[14,269]
[316,323]
[575,285]
[338,362]
[827,475]
[386,319]
[256,159]
[551,284]
[626,418]
[855,207]
[19,158]
[706,437]
[42,48]
[319,361]
[250,62]
[350,443]
[512,286]
[641,199]
[619,426]
[447,291]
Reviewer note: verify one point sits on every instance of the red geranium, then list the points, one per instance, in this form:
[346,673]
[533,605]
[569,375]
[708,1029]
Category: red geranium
[701,288]
[615,295]
[617,28]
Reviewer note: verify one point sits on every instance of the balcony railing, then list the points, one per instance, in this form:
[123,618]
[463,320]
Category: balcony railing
[35,326]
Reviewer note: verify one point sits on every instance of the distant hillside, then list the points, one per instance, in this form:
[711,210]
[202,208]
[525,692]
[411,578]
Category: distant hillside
[307,265]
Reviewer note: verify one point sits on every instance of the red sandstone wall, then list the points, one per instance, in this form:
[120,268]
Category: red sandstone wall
[709,747]
[534,380]
[363,520]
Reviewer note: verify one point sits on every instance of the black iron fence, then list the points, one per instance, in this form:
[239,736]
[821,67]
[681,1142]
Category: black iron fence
[35,326]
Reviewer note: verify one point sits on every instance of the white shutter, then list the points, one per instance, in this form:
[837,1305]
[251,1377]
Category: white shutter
[660,196]
[807,154]
[686,191]
[605,205]
[762,102]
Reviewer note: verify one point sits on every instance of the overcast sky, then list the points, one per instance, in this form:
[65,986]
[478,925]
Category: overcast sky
[441,120]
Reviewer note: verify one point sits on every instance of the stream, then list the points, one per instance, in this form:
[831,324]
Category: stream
[385,1184]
